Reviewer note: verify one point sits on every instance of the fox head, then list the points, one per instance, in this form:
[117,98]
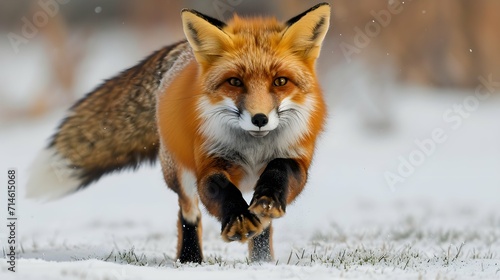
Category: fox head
[258,74]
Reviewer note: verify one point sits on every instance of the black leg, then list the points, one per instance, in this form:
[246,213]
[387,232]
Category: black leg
[280,177]
[189,247]
[225,201]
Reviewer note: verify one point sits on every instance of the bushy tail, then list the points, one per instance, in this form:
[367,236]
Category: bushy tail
[112,128]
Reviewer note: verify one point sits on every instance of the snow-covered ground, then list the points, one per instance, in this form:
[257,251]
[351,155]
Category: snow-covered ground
[442,222]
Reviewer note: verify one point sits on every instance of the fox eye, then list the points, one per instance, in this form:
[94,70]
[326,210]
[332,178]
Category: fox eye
[281,81]
[235,82]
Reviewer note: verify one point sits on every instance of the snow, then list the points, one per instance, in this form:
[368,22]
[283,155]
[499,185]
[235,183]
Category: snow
[442,222]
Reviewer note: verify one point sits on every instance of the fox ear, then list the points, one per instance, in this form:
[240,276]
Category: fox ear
[306,32]
[204,34]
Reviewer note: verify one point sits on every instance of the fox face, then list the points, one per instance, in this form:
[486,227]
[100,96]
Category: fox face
[258,78]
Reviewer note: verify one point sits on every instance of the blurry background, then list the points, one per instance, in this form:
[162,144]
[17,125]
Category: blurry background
[393,72]
[59,45]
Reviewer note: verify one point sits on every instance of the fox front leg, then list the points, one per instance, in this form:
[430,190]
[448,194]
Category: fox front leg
[225,201]
[279,184]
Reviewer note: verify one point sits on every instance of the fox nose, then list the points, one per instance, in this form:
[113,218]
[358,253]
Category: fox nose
[260,120]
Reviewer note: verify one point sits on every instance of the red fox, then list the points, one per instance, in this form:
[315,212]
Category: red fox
[236,107]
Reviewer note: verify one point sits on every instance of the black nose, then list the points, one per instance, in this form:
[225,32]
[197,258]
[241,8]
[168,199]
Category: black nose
[259,120]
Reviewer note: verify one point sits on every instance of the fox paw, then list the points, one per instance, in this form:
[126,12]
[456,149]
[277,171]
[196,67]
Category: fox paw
[242,227]
[266,207]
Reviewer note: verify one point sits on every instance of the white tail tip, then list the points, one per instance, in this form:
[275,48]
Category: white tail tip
[51,176]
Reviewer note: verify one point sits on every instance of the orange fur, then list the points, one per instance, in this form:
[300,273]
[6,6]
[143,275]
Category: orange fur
[176,107]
